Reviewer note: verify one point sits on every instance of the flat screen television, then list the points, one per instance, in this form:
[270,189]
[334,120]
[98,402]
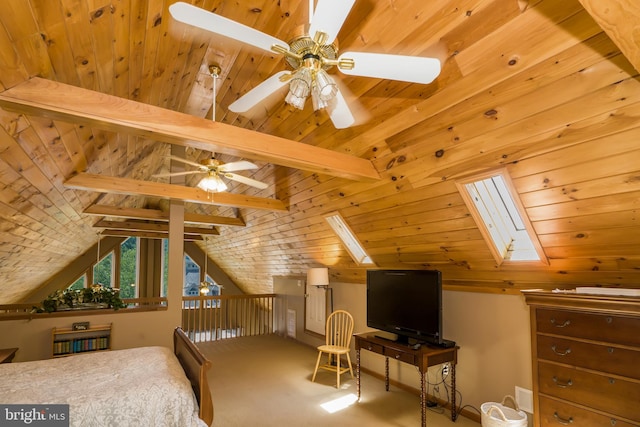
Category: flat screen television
[407,303]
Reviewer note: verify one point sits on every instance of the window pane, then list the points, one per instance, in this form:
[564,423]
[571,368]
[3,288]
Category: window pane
[103,271]
[191,277]
[128,268]
[80,283]
[165,268]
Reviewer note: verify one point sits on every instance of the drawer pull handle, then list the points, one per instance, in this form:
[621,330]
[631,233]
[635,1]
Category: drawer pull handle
[397,356]
[561,420]
[369,348]
[560,353]
[561,384]
[561,325]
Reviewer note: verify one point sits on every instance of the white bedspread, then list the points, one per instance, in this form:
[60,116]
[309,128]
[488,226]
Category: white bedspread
[136,387]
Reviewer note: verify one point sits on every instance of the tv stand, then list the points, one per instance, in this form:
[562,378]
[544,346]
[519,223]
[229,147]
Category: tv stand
[423,357]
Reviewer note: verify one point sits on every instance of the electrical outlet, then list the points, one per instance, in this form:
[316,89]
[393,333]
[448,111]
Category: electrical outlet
[524,399]
[445,370]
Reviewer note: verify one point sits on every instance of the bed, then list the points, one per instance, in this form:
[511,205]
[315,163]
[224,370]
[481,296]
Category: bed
[145,386]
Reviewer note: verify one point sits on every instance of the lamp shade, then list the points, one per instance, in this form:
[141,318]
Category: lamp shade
[318,276]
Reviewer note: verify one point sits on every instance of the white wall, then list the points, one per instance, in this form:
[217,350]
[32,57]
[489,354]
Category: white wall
[492,331]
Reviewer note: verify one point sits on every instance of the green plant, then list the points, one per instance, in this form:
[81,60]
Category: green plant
[72,298]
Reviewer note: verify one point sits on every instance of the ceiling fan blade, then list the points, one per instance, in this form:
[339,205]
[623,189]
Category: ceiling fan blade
[329,17]
[244,180]
[340,113]
[168,174]
[188,162]
[237,166]
[201,18]
[413,69]
[260,92]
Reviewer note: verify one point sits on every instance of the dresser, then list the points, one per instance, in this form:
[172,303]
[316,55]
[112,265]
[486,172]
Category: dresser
[586,359]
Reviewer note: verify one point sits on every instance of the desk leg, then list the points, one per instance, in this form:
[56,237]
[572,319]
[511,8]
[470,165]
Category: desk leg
[423,398]
[454,414]
[386,373]
[358,372]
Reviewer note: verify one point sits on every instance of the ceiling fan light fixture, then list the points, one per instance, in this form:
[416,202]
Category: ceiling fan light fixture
[212,183]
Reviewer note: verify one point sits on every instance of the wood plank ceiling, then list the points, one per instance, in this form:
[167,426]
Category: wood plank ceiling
[545,88]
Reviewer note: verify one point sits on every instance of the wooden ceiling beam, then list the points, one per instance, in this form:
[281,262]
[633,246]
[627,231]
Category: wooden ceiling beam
[160,215]
[110,184]
[147,234]
[46,98]
[620,19]
[150,226]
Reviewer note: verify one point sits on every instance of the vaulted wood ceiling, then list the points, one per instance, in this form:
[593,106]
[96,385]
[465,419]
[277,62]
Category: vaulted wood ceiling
[548,89]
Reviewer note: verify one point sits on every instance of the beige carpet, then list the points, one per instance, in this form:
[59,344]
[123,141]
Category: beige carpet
[266,381]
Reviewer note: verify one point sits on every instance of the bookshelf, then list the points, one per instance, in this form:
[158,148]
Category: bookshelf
[68,341]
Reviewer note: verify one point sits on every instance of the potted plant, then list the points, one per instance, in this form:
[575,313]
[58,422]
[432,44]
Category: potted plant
[95,296]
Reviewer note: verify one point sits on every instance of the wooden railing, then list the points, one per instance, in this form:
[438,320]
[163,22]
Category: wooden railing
[212,318]
[26,311]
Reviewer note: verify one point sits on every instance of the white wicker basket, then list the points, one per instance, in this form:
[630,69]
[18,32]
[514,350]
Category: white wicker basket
[499,415]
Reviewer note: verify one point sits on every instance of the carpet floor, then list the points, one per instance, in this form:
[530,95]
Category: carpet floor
[265,381]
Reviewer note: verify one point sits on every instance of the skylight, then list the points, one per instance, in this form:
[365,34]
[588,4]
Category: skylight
[494,204]
[349,239]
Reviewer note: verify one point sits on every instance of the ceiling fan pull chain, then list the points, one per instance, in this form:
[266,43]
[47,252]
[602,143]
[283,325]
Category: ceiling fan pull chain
[214,73]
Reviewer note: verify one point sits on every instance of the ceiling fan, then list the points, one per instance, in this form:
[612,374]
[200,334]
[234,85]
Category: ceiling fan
[216,170]
[310,54]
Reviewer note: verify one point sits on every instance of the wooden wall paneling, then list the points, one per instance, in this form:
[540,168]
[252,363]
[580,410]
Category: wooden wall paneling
[606,220]
[540,123]
[101,15]
[155,29]
[600,205]
[76,19]
[137,28]
[521,84]
[121,38]
[625,182]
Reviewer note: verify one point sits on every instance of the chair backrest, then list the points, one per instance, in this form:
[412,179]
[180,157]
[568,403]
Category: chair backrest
[339,328]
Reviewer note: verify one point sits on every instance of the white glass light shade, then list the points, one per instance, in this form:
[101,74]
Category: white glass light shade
[300,85]
[212,183]
[318,102]
[326,85]
[318,276]
[295,101]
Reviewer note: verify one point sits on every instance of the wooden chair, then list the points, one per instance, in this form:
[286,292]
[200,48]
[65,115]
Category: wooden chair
[339,329]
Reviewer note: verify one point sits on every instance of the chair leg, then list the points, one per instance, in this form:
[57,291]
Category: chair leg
[315,371]
[349,362]
[338,370]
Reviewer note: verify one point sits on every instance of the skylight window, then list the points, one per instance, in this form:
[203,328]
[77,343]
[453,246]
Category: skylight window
[494,204]
[349,240]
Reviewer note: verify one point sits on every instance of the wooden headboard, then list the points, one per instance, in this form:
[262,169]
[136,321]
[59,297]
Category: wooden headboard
[195,366]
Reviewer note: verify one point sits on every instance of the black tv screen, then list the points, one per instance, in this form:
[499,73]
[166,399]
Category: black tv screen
[407,303]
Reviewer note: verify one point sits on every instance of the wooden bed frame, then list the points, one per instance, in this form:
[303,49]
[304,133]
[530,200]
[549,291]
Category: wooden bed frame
[195,366]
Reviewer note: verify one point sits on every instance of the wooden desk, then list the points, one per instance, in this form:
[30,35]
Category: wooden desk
[423,357]
[6,354]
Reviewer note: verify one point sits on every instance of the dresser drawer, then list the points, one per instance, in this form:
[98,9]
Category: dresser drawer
[400,355]
[613,395]
[557,413]
[598,327]
[604,358]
